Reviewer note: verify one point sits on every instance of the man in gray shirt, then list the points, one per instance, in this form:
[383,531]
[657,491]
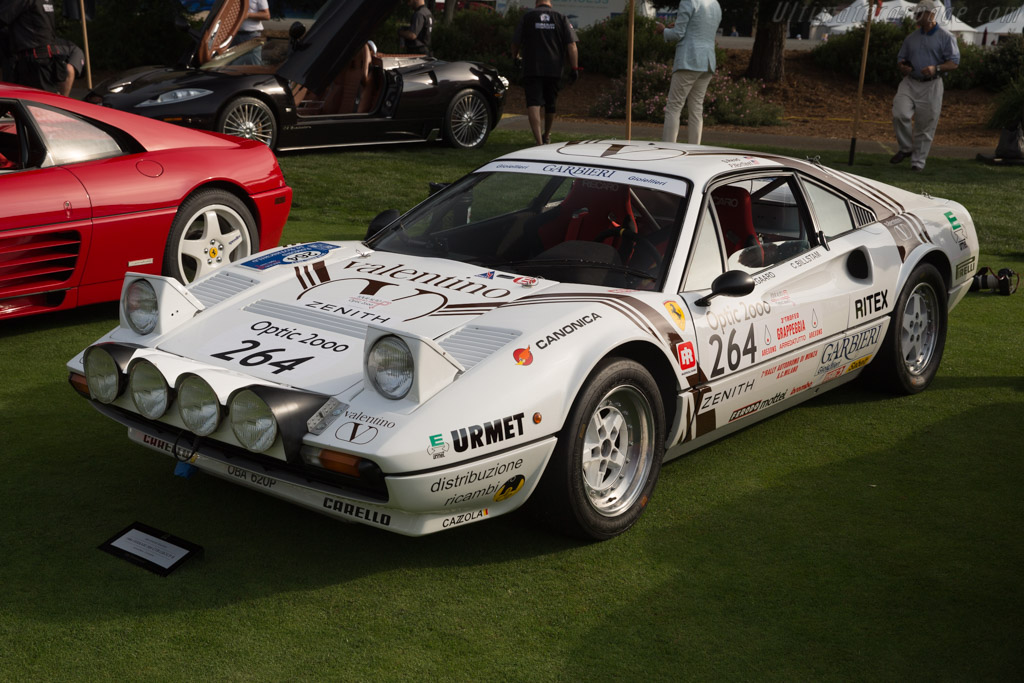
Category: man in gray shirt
[924,56]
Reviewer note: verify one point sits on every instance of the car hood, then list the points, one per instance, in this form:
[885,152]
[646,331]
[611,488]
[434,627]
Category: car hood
[315,302]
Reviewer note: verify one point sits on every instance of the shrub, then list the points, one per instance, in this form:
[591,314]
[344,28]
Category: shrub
[968,74]
[1003,63]
[479,36]
[1009,105]
[842,53]
[127,33]
[603,46]
[728,100]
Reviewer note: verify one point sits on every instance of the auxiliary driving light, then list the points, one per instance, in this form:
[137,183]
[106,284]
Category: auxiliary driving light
[252,421]
[149,390]
[198,405]
[141,308]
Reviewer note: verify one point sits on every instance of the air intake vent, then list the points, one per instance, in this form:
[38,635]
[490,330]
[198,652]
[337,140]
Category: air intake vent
[473,343]
[862,216]
[221,286]
[38,262]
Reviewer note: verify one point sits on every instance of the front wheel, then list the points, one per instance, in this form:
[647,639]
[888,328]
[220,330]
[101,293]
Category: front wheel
[467,122]
[212,229]
[608,456]
[250,118]
[912,351]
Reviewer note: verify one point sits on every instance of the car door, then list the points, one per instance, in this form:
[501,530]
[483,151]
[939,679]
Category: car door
[760,349]
[45,217]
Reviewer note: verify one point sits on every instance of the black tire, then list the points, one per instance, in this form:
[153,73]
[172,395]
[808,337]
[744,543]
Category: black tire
[467,123]
[211,229]
[913,346]
[250,118]
[608,456]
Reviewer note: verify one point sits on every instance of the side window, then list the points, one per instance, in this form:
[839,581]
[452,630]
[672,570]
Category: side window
[11,148]
[763,221]
[707,257]
[831,210]
[71,140]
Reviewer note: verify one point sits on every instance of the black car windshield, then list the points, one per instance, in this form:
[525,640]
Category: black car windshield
[586,225]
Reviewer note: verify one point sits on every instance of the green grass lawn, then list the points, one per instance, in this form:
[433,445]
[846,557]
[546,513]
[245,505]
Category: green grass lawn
[856,537]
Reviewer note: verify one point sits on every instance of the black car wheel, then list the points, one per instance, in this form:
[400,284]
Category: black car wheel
[468,120]
[212,229]
[608,456]
[912,351]
[250,118]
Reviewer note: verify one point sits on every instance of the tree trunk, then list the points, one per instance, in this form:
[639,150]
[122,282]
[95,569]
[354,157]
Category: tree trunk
[766,56]
[449,12]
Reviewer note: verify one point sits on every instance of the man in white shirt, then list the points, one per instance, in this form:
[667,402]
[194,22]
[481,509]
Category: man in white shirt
[252,27]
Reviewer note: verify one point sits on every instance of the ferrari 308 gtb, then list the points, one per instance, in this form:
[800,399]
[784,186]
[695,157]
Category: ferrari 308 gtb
[544,331]
[90,193]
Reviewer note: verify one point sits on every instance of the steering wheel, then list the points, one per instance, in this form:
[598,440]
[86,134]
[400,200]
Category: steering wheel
[638,243]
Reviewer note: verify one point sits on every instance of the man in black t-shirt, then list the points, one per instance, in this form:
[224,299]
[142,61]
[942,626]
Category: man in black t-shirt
[544,38]
[39,60]
[416,36]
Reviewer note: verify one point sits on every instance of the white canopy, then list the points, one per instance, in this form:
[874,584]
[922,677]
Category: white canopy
[894,11]
[1008,23]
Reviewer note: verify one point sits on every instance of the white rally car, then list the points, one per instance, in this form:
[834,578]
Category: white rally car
[548,329]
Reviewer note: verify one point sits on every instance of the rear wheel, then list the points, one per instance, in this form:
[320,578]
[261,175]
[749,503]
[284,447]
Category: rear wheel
[467,122]
[910,356]
[608,457]
[212,229]
[250,118]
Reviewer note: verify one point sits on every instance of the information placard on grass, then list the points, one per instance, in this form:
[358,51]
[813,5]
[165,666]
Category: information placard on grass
[149,548]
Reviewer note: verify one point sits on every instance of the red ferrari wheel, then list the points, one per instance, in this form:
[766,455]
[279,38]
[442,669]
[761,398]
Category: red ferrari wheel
[212,228]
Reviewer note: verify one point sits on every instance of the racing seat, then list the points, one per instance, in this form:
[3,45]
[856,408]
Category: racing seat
[737,224]
[591,208]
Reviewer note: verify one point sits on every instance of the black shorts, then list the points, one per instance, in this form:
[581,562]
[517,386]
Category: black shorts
[46,73]
[541,91]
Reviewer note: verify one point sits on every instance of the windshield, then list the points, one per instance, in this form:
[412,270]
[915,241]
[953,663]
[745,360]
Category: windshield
[586,225]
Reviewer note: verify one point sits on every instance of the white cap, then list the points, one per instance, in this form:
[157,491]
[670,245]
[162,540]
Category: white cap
[934,6]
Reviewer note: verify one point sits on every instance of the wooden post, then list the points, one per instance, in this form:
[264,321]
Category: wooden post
[860,85]
[631,8]
[85,40]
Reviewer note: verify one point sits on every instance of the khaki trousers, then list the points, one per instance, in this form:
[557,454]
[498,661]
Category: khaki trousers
[915,115]
[687,87]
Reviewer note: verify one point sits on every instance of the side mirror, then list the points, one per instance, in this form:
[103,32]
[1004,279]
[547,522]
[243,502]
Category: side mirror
[381,221]
[729,283]
[295,33]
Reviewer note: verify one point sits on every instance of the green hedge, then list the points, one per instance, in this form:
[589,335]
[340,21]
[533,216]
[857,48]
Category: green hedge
[479,36]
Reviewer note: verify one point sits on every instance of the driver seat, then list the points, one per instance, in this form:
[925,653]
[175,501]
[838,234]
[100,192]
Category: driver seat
[590,208]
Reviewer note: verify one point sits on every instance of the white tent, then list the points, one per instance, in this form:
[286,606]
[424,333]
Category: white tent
[1004,25]
[894,11]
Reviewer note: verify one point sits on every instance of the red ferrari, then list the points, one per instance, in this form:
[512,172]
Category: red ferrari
[88,193]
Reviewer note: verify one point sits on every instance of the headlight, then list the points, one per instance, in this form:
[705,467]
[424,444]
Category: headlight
[149,390]
[389,366]
[504,81]
[252,421]
[102,374]
[140,307]
[198,405]
[175,96]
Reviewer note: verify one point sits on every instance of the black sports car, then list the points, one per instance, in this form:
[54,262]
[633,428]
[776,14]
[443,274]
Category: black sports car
[332,89]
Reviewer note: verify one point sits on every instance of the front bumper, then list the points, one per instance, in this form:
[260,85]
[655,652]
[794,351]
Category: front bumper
[418,504]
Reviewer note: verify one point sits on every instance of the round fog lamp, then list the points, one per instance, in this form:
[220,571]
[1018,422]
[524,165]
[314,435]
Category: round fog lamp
[198,405]
[102,374]
[252,421]
[149,390]
[141,309]
[390,367]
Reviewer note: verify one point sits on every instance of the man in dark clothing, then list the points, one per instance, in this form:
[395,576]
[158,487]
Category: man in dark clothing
[39,61]
[544,38]
[416,36]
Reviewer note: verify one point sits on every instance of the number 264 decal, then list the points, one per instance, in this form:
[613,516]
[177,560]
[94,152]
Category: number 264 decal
[261,357]
[733,353]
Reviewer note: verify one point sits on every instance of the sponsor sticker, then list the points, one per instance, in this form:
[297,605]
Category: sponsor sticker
[675,312]
[290,255]
[964,268]
[523,356]
[687,358]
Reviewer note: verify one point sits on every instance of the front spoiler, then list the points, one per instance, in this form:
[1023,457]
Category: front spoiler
[413,490]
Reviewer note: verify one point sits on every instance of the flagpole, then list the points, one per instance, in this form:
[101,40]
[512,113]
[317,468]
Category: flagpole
[629,72]
[860,81]
[85,39]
